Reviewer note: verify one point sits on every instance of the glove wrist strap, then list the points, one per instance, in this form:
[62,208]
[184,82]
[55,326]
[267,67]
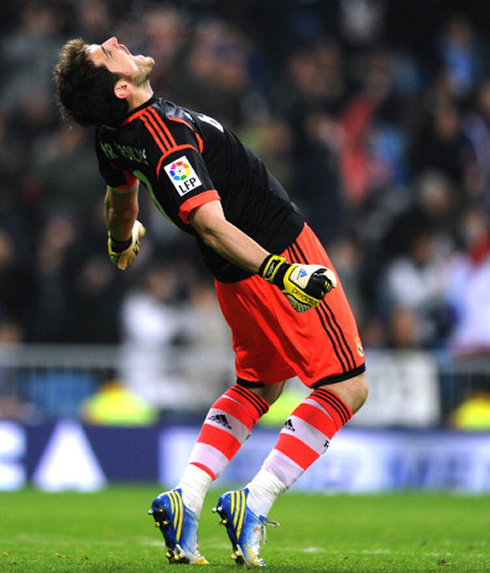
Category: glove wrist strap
[120,246]
[273,269]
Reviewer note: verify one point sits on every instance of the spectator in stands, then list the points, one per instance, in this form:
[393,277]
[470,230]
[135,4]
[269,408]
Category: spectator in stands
[314,90]
[468,290]
[431,207]
[214,76]
[55,265]
[441,144]
[29,51]
[371,158]
[153,318]
[462,54]
[63,169]
[13,406]
[15,282]
[413,285]
[476,126]
[114,405]
[473,414]
[404,330]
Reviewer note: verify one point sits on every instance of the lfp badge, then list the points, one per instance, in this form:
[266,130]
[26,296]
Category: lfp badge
[182,175]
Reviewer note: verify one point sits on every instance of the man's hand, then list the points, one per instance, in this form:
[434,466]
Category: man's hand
[123,253]
[305,286]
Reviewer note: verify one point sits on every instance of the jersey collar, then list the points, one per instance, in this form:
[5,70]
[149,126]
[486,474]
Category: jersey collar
[137,111]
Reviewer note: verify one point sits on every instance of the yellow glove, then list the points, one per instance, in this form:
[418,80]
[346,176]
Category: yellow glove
[305,286]
[123,253]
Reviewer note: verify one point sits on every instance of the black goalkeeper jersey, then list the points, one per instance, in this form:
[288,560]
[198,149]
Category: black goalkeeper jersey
[186,159]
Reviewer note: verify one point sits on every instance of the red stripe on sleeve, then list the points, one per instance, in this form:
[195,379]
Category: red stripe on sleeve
[131,183]
[198,137]
[197,201]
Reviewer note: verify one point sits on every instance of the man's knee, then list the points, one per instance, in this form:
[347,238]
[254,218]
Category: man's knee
[269,393]
[361,390]
[353,392]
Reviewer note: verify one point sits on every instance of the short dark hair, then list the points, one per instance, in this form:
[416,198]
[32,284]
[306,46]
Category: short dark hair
[84,91]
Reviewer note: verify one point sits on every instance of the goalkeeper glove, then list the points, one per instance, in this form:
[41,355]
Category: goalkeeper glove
[123,253]
[304,285]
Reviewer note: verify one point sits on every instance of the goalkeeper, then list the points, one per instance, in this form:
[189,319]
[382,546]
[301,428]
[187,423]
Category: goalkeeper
[275,284]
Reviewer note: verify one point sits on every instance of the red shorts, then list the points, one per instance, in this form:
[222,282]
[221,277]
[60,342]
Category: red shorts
[273,342]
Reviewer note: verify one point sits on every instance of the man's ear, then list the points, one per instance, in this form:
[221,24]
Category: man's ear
[123,88]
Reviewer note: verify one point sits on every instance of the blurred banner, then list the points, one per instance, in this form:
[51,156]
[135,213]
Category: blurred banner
[71,456]
[404,390]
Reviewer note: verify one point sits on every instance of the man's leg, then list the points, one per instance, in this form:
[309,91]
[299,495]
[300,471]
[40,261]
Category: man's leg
[226,427]
[228,424]
[305,436]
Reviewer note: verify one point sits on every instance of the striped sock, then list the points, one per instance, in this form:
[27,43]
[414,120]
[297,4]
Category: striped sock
[194,484]
[306,435]
[228,424]
[264,489]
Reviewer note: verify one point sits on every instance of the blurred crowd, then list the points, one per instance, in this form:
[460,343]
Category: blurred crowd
[374,114]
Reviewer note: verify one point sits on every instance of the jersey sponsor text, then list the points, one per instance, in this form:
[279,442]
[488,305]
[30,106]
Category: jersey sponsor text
[116,150]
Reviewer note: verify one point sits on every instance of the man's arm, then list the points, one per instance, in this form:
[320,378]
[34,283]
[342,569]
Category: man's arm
[305,286]
[226,239]
[121,210]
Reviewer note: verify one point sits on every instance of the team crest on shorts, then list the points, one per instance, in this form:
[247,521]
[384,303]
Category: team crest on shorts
[360,349]
[182,175]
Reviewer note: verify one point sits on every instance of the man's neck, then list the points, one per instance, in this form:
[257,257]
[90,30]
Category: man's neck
[139,96]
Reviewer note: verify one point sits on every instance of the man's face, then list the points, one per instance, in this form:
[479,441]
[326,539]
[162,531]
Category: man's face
[118,59]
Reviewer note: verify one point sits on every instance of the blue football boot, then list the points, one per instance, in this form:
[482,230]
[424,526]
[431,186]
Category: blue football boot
[178,525]
[245,529]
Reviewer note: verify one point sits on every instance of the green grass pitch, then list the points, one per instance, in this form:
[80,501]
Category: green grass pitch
[109,531]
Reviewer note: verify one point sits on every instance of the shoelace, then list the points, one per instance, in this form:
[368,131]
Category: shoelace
[263,530]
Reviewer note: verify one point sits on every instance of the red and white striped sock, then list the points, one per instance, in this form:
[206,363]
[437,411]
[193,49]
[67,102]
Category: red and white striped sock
[304,438]
[226,427]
